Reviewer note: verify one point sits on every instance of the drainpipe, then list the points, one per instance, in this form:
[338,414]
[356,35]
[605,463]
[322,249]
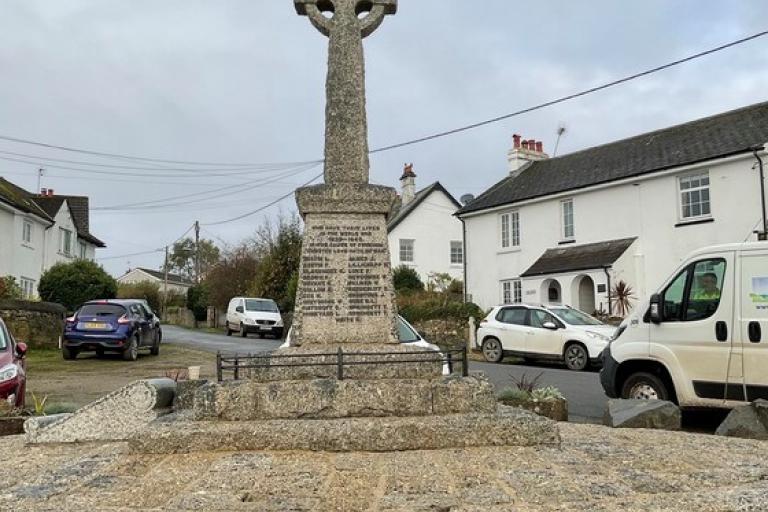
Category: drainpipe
[464,259]
[608,290]
[764,234]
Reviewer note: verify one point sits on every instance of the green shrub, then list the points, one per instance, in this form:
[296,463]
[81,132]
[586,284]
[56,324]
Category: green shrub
[146,290]
[418,307]
[9,288]
[175,299]
[197,302]
[407,280]
[513,395]
[547,393]
[71,284]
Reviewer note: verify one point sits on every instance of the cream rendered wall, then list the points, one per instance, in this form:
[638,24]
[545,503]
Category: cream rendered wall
[21,259]
[647,208]
[137,276]
[433,227]
[53,253]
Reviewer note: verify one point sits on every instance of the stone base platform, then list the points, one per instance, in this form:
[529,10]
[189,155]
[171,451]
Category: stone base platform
[330,398]
[506,427]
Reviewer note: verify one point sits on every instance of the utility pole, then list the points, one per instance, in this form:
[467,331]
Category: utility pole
[197,251]
[165,281]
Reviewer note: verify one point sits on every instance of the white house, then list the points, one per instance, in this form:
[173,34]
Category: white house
[423,232]
[567,229]
[40,230]
[176,283]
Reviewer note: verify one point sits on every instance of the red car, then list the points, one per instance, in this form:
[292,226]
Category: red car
[13,375]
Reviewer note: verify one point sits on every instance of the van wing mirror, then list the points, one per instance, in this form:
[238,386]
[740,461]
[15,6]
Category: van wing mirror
[655,313]
[239,309]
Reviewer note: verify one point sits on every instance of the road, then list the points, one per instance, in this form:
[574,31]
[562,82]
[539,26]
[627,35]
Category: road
[586,399]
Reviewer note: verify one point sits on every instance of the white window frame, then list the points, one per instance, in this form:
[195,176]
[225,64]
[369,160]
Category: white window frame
[65,235]
[404,248]
[509,230]
[27,287]
[512,291]
[682,192]
[457,252]
[564,220]
[26,232]
[82,249]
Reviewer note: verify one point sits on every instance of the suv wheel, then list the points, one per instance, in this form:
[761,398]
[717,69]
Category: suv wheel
[645,386]
[229,331]
[492,350]
[131,352]
[69,353]
[155,350]
[576,357]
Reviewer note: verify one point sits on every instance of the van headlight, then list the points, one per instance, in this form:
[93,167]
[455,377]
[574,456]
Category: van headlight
[279,323]
[597,336]
[8,372]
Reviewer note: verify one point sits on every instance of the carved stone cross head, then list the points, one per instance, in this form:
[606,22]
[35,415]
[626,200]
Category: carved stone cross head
[366,14]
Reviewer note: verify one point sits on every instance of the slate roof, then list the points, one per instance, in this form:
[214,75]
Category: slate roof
[399,212]
[46,207]
[718,136]
[172,278]
[579,257]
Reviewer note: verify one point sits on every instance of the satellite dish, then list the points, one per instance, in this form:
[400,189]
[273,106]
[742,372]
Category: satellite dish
[467,198]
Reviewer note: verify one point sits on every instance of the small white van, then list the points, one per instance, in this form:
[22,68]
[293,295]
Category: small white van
[254,315]
[702,339]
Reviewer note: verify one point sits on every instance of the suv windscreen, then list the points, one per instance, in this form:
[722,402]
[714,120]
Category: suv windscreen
[101,310]
[575,317]
[261,305]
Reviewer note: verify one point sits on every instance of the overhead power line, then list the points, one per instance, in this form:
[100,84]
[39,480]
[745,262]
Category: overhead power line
[147,252]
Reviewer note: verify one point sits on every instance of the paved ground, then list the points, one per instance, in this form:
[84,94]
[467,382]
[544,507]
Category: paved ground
[208,342]
[595,469]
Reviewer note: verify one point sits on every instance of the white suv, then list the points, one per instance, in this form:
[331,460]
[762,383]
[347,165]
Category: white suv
[543,332]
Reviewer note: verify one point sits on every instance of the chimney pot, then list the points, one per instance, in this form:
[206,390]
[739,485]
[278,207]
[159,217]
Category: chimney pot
[50,192]
[539,147]
[525,144]
[43,191]
[516,140]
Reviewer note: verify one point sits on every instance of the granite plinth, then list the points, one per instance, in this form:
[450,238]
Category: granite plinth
[505,427]
[329,398]
[345,198]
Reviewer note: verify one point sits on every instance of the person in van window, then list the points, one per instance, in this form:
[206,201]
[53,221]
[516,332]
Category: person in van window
[707,289]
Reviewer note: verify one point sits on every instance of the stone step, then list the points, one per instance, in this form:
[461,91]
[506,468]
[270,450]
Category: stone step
[330,398]
[506,427]
[113,417]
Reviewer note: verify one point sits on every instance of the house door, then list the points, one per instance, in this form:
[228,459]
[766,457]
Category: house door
[587,295]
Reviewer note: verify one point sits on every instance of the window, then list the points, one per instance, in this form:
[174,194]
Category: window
[512,291]
[27,288]
[26,233]
[539,317]
[510,230]
[82,250]
[457,253]
[695,293]
[65,241]
[515,316]
[694,196]
[566,208]
[406,250]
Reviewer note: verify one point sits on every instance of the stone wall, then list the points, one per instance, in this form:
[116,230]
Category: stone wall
[179,316]
[38,324]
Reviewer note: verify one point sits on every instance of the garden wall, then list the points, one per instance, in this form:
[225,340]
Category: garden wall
[179,316]
[38,324]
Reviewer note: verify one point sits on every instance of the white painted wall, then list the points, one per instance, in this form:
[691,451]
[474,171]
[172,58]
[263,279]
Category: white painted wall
[647,208]
[433,227]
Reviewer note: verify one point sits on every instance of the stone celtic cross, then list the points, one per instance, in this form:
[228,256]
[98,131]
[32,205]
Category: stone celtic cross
[346,130]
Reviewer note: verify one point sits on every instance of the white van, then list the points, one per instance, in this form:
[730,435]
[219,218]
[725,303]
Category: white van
[260,316]
[702,339]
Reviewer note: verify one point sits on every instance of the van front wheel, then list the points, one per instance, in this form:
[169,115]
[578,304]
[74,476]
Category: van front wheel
[644,386]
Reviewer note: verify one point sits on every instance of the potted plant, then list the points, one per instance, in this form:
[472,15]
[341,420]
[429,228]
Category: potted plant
[525,393]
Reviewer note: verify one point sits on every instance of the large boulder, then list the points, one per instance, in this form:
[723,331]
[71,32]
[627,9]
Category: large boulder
[749,421]
[658,414]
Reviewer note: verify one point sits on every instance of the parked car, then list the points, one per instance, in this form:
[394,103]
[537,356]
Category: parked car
[408,335]
[701,339]
[254,315]
[547,332]
[13,368]
[121,325]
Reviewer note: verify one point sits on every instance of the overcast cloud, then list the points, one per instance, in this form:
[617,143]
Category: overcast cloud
[243,81]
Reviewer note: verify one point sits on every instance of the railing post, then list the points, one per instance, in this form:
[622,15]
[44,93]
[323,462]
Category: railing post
[237,367]
[449,359]
[340,364]
[464,363]
[219,372]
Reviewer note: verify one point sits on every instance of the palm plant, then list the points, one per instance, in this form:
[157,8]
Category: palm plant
[622,297]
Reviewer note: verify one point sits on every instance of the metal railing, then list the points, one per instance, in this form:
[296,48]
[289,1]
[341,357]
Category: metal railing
[240,365]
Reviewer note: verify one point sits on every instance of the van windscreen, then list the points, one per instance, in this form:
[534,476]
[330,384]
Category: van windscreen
[261,305]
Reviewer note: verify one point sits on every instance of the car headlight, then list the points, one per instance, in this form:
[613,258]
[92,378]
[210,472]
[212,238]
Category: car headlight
[597,336]
[8,372]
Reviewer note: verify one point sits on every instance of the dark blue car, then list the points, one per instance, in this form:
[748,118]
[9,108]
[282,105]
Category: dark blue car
[122,326]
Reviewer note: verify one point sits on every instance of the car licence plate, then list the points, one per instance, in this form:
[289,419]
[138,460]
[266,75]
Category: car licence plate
[95,325]
[265,327]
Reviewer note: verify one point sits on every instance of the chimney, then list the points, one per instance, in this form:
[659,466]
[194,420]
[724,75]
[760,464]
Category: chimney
[50,192]
[408,180]
[523,152]
[43,192]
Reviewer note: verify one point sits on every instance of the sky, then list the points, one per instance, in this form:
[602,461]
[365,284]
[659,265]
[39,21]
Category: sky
[242,81]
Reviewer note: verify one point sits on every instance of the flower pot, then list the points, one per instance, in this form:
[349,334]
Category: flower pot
[12,425]
[553,408]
